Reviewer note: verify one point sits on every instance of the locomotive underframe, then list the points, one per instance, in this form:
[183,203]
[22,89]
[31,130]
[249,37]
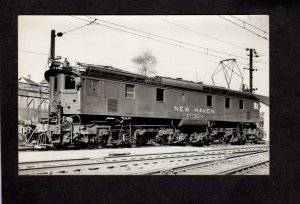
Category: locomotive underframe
[62,131]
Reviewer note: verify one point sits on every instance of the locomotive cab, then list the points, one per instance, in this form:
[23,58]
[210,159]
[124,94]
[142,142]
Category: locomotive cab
[64,91]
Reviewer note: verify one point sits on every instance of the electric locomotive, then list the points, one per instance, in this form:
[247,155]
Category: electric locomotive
[95,105]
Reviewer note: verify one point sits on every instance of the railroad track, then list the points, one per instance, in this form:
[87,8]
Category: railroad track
[36,149]
[127,164]
[259,168]
[232,165]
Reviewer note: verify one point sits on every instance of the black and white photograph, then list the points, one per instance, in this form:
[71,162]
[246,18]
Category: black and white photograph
[143,95]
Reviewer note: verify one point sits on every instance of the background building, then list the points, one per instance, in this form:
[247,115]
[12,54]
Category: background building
[33,98]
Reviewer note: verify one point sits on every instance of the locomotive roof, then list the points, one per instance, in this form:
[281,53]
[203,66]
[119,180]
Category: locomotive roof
[108,71]
[100,71]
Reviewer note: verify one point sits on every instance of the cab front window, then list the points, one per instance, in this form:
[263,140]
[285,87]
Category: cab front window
[69,82]
[55,83]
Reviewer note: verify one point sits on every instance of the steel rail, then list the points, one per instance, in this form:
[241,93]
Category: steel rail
[102,161]
[127,155]
[184,168]
[244,167]
[110,156]
[44,167]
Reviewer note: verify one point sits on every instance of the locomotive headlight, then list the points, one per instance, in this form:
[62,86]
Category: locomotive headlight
[78,83]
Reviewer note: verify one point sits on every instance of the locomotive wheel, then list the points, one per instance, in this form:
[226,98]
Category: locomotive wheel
[153,142]
[208,141]
[243,142]
[139,141]
[59,146]
[221,139]
[227,140]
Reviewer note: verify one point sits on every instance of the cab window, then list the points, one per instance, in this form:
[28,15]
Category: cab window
[227,102]
[92,87]
[241,104]
[55,83]
[160,95]
[209,100]
[129,91]
[69,82]
[256,106]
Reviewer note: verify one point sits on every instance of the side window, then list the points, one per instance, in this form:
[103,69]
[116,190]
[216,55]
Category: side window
[69,82]
[256,106]
[55,83]
[129,91]
[92,87]
[241,104]
[209,100]
[160,95]
[227,102]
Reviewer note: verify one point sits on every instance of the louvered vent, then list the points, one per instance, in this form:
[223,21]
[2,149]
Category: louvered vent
[112,105]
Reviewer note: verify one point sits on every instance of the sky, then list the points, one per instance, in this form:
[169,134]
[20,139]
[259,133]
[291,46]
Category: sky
[189,47]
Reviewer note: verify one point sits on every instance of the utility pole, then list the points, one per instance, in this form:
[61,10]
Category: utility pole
[251,53]
[54,64]
[52,53]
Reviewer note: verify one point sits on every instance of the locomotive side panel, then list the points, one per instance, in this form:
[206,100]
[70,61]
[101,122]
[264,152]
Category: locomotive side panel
[218,107]
[173,101]
[227,108]
[230,108]
[137,100]
[252,114]
[129,106]
[92,96]
[160,103]
[187,104]
[145,100]
[112,98]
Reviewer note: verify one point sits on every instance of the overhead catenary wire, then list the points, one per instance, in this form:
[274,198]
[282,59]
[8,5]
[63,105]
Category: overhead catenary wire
[161,41]
[166,38]
[80,27]
[181,46]
[39,53]
[197,32]
[243,27]
[250,24]
[148,37]
[174,40]
[185,28]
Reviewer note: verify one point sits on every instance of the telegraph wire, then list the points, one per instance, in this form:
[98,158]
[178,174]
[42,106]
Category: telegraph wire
[47,62]
[161,41]
[197,32]
[244,28]
[250,24]
[39,53]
